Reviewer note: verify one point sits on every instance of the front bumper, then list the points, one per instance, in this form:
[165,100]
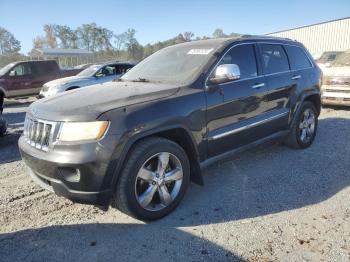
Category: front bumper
[335,95]
[80,173]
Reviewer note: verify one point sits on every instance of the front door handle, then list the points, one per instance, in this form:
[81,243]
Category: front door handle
[296,77]
[258,85]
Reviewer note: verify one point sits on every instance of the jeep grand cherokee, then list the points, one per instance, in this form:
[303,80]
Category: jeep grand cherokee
[136,144]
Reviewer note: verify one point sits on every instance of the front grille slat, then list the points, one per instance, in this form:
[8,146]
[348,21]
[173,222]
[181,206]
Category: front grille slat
[38,133]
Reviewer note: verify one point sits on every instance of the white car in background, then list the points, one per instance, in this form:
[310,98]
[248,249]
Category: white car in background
[336,81]
[325,59]
[94,74]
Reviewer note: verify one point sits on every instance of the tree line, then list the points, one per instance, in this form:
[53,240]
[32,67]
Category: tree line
[98,39]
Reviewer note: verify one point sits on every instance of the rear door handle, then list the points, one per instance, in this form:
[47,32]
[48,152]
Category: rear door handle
[258,85]
[296,77]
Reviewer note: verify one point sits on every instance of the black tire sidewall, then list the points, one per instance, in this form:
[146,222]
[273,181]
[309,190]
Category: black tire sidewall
[305,106]
[143,156]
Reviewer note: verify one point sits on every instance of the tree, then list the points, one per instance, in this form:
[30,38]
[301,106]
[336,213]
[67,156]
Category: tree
[133,47]
[39,42]
[50,35]
[119,41]
[8,43]
[234,35]
[64,34]
[218,33]
[188,36]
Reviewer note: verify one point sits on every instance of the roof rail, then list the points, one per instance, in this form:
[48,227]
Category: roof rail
[266,37]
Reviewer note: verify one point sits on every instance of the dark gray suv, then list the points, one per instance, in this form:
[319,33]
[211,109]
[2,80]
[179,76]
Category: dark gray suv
[137,143]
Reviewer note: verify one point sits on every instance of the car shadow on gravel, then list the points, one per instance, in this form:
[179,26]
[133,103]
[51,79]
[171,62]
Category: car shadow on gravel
[8,143]
[263,181]
[109,242]
[271,179]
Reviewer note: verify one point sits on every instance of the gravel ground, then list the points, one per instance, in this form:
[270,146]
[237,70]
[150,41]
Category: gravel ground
[267,204]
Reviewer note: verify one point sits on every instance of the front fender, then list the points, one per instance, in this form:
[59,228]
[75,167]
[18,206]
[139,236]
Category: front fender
[3,90]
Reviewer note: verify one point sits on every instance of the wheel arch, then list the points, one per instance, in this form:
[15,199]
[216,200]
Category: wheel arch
[3,92]
[72,88]
[316,100]
[177,134]
[313,97]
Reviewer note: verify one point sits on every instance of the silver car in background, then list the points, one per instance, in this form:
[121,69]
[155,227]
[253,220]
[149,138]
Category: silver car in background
[94,74]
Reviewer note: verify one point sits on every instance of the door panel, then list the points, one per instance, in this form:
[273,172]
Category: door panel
[21,82]
[235,104]
[280,84]
[242,105]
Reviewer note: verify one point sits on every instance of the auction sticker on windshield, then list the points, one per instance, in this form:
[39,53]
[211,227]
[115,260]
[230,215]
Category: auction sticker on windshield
[200,51]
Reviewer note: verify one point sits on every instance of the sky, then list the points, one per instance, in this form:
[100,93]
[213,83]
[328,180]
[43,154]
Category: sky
[160,20]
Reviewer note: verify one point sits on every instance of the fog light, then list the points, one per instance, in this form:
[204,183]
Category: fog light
[69,174]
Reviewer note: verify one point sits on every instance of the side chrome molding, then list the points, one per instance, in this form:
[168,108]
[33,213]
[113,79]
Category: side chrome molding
[239,129]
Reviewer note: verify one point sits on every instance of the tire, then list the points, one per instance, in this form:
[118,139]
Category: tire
[3,126]
[144,162]
[2,98]
[302,128]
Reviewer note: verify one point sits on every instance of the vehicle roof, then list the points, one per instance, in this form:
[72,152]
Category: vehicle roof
[36,61]
[227,41]
[116,63]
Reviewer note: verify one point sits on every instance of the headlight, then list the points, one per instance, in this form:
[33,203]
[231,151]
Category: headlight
[82,131]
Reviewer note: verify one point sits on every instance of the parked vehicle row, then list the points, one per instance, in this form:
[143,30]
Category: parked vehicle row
[136,143]
[93,74]
[27,77]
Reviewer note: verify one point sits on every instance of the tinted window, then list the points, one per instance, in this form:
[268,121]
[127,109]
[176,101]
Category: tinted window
[44,68]
[297,57]
[22,70]
[106,71]
[244,57]
[274,59]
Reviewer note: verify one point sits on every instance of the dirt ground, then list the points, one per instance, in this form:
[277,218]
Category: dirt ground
[271,203]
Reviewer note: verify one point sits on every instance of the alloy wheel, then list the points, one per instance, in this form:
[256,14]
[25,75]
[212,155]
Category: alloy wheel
[158,181]
[307,125]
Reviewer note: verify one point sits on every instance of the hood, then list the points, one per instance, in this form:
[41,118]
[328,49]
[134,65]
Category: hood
[64,80]
[336,71]
[87,104]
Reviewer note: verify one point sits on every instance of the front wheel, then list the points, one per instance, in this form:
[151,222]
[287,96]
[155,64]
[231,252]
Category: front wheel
[303,131]
[154,179]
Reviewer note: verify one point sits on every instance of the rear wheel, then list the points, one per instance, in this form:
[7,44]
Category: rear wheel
[303,131]
[154,179]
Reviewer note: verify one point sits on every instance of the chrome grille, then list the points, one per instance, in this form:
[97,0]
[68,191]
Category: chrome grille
[39,133]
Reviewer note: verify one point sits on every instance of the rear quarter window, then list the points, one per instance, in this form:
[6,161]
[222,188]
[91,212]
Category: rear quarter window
[297,58]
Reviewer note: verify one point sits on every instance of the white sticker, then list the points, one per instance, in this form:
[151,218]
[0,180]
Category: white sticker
[199,51]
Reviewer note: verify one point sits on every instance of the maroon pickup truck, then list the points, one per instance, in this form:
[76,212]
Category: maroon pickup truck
[27,77]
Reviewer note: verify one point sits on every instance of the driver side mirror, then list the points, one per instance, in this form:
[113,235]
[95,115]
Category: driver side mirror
[225,73]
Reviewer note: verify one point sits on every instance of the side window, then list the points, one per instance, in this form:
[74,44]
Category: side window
[297,58]
[106,71]
[244,57]
[122,69]
[46,68]
[274,59]
[21,70]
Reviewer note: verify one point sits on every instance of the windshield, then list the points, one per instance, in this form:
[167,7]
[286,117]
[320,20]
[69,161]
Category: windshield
[327,57]
[342,60]
[90,71]
[6,68]
[178,64]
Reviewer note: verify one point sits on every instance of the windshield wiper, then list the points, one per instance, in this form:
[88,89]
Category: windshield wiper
[140,79]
